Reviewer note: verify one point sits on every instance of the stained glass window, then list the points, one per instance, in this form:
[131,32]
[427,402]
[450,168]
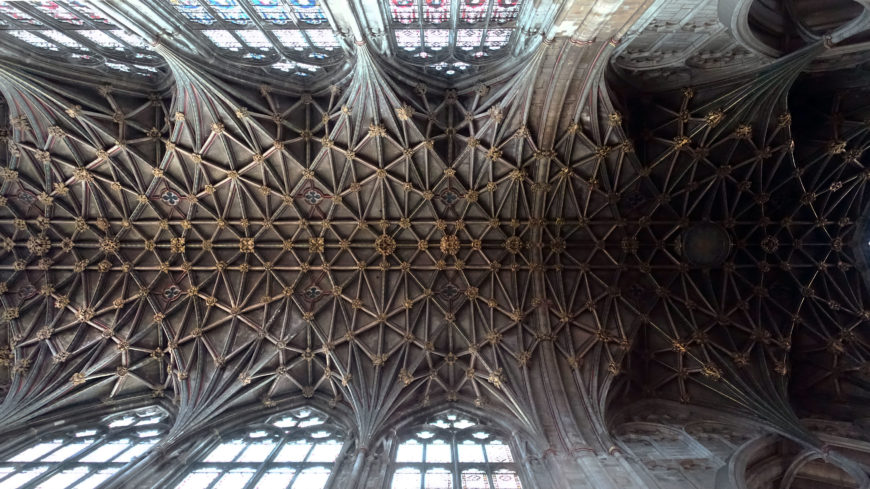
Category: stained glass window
[450,36]
[296,450]
[83,458]
[452,451]
[296,30]
[73,30]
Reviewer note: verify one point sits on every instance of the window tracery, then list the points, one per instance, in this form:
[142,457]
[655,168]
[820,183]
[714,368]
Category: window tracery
[449,37]
[453,451]
[289,36]
[74,30]
[83,458]
[295,450]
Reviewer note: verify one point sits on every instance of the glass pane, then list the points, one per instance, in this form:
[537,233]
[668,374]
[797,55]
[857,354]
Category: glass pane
[470,452]
[62,39]
[291,39]
[325,452]
[257,452]
[272,11]
[103,39]
[438,452]
[436,11]
[408,39]
[106,452]
[135,451]
[323,38]
[498,452]
[287,422]
[35,452]
[312,478]
[474,479]
[410,452]
[34,40]
[96,479]
[407,479]
[193,11]
[18,15]
[311,422]
[64,479]
[293,452]
[22,478]
[234,479]
[436,39]
[468,39]
[225,452]
[438,479]
[199,479]
[255,39]
[506,479]
[223,39]
[497,38]
[230,11]
[67,451]
[462,424]
[57,12]
[126,421]
[275,478]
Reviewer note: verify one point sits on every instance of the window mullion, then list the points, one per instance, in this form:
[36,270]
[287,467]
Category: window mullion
[55,468]
[266,464]
[457,475]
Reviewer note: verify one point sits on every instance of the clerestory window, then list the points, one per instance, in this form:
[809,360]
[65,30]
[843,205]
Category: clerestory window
[296,450]
[282,36]
[84,457]
[73,30]
[453,451]
[449,37]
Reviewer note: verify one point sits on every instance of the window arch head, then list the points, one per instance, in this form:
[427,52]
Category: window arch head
[453,450]
[83,456]
[293,450]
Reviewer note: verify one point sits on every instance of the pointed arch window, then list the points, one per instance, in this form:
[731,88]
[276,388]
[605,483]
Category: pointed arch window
[72,29]
[83,457]
[448,37]
[453,451]
[288,36]
[295,450]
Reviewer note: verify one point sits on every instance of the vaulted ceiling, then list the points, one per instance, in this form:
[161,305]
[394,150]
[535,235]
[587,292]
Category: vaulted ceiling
[388,235]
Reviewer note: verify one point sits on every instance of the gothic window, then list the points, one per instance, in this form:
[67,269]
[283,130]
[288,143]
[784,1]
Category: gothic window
[452,451]
[72,30]
[83,457]
[287,36]
[448,37]
[296,450]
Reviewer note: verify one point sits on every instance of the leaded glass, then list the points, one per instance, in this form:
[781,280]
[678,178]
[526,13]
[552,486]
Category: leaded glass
[76,31]
[421,30]
[57,12]
[194,11]
[295,30]
[223,39]
[83,458]
[255,39]
[30,38]
[63,39]
[453,451]
[230,10]
[294,450]
[17,15]
[272,11]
